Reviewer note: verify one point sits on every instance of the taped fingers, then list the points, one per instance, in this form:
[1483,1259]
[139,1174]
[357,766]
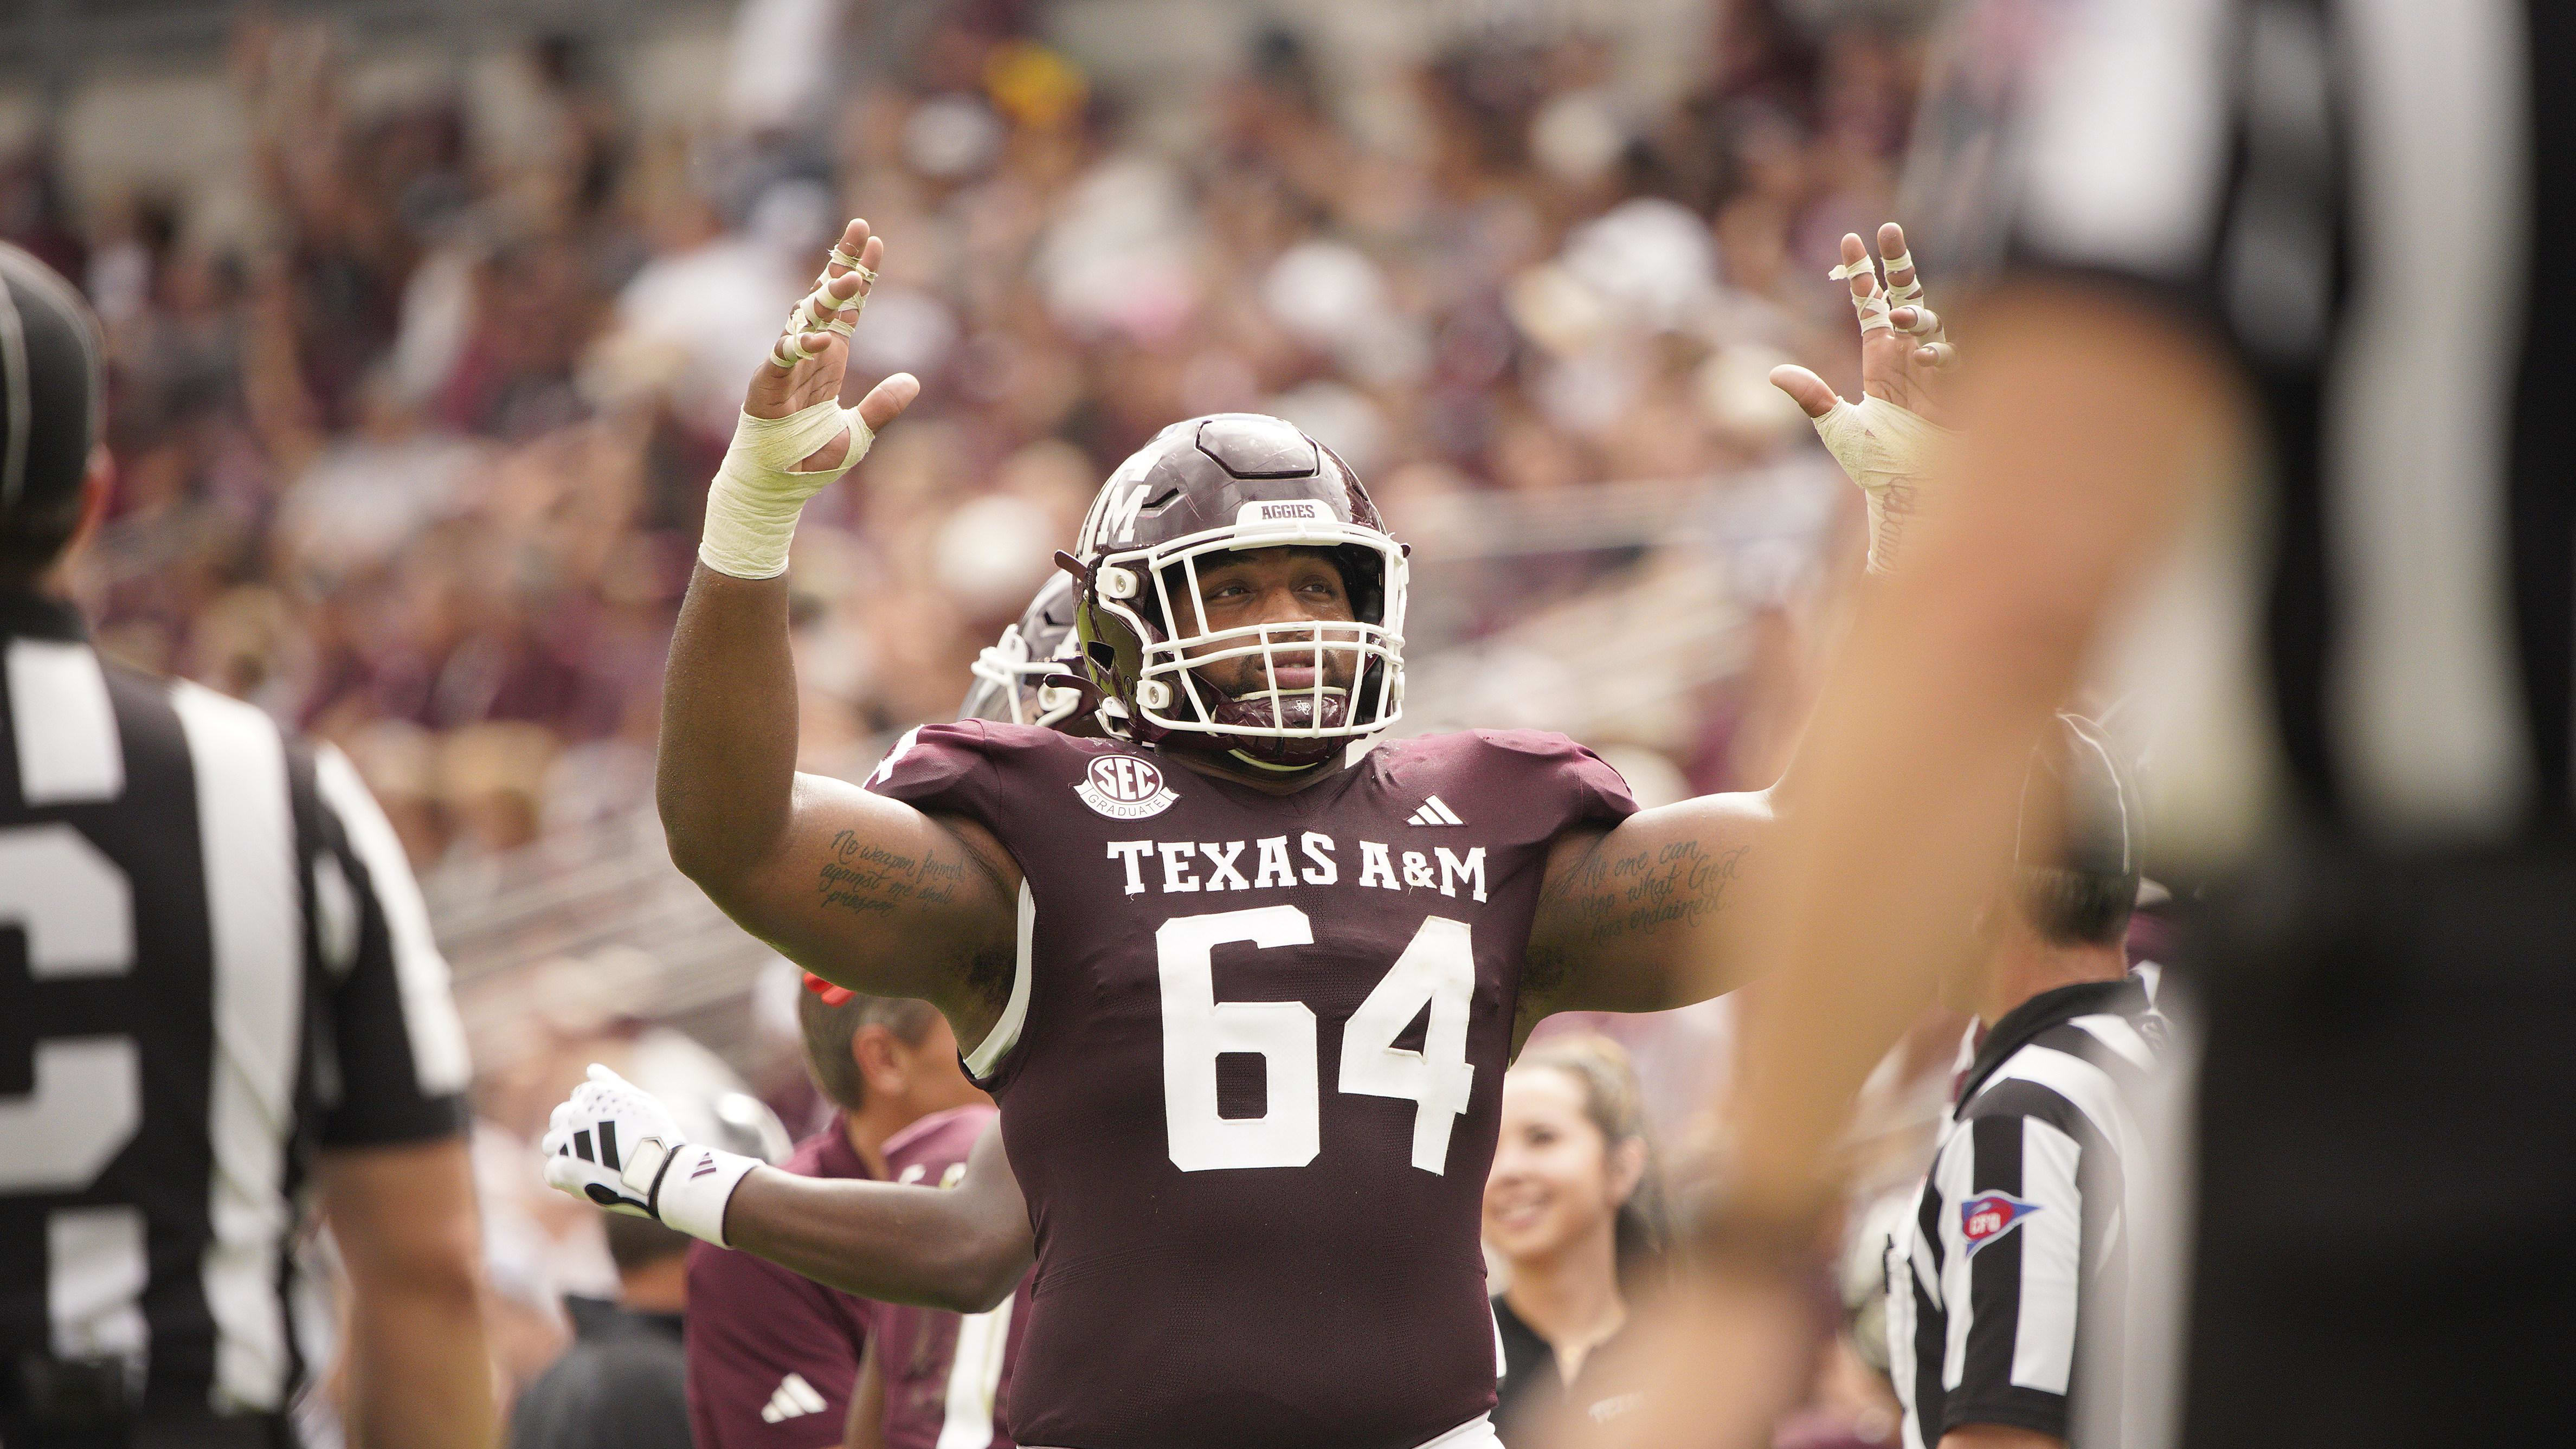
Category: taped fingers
[1904,283]
[1867,300]
[793,349]
[825,309]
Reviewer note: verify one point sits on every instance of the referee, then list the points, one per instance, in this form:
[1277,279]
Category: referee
[2268,410]
[2023,1241]
[218,995]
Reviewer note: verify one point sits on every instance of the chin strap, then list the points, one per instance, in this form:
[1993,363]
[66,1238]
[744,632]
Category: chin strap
[1274,767]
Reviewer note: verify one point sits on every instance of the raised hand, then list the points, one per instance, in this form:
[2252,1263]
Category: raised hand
[1904,351]
[813,354]
[615,1144]
[794,437]
[1885,441]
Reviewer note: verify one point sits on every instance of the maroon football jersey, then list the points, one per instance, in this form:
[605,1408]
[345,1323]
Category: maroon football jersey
[947,1376]
[1251,1070]
[772,1356]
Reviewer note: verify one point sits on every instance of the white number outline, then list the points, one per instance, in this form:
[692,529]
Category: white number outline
[1437,968]
[1198,1028]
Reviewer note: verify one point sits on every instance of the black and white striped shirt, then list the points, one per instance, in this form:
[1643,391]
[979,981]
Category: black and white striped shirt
[2020,1244]
[213,963]
[2368,203]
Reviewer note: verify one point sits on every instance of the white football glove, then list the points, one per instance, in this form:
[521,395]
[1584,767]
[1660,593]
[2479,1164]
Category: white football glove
[616,1145]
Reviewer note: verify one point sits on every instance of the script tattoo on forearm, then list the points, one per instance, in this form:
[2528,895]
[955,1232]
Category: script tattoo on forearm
[1613,897]
[867,879]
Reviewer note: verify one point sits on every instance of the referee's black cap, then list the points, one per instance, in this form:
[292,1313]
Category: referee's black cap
[53,405]
[2077,842]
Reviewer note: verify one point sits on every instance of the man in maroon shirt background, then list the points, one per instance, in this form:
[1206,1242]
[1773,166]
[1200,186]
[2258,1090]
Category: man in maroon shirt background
[772,1356]
[934,1379]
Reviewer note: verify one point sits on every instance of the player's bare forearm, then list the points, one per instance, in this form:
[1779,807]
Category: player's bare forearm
[962,1248]
[726,767]
[420,1376]
[2086,423]
[1633,918]
[859,889]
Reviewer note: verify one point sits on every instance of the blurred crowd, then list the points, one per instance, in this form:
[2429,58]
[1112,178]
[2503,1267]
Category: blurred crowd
[420,470]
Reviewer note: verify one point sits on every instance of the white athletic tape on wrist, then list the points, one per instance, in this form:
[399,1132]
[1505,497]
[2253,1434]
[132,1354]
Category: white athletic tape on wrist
[757,494]
[687,1186]
[1885,449]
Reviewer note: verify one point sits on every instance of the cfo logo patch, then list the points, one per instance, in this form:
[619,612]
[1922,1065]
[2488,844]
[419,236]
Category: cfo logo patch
[1990,1215]
[1124,787]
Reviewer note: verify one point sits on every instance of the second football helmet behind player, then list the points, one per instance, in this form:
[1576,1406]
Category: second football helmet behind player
[1028,675]
[1224,483]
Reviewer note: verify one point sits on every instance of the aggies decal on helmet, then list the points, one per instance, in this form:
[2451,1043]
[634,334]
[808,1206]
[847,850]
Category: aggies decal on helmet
[1221,484]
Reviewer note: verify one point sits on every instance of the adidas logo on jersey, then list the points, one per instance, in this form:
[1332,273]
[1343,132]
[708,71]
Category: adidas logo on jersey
[794,1399]
[1434,811]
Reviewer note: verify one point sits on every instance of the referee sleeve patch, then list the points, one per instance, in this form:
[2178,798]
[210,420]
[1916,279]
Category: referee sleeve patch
[1985,1218]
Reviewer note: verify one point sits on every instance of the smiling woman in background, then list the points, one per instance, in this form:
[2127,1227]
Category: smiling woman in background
[1575,1209]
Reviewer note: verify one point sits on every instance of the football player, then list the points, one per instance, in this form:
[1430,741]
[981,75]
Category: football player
[1243,993]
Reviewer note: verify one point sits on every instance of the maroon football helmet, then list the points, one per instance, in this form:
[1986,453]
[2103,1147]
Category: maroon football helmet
[1222,484]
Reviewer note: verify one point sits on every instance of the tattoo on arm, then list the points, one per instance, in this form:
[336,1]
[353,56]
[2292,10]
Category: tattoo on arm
[1609,898]
[866,879]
